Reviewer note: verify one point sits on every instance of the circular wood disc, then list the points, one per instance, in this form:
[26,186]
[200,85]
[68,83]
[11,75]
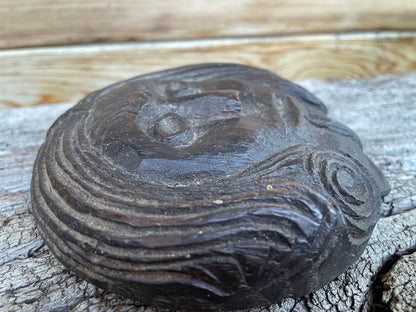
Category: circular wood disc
[206,187]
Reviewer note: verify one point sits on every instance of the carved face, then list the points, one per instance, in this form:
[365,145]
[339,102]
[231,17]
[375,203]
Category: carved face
[217,125]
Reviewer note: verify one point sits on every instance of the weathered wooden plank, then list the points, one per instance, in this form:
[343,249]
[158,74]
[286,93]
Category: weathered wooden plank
[400,285]
[65,74]
[58,22]
[383,113]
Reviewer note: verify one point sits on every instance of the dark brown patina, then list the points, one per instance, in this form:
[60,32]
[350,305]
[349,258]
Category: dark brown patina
[206,187]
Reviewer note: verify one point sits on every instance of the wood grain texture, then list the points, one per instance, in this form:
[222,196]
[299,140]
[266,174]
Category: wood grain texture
[66,74]
[400,285]
[381,111]
[50,22]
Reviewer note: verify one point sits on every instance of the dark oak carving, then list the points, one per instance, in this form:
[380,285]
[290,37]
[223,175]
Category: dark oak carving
[206,187]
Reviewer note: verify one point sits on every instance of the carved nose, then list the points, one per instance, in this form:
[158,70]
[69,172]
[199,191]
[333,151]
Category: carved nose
[209,106]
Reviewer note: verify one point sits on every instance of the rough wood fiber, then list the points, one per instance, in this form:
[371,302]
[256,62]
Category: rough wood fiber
[400,285]
[66,74]
[50,22]
[382,111]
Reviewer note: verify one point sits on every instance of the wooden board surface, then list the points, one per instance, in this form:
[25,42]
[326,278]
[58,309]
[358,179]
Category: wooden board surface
[382,111]
[66,74]
[59,22]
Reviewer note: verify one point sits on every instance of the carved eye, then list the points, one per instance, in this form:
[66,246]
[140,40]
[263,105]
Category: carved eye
[170,124]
